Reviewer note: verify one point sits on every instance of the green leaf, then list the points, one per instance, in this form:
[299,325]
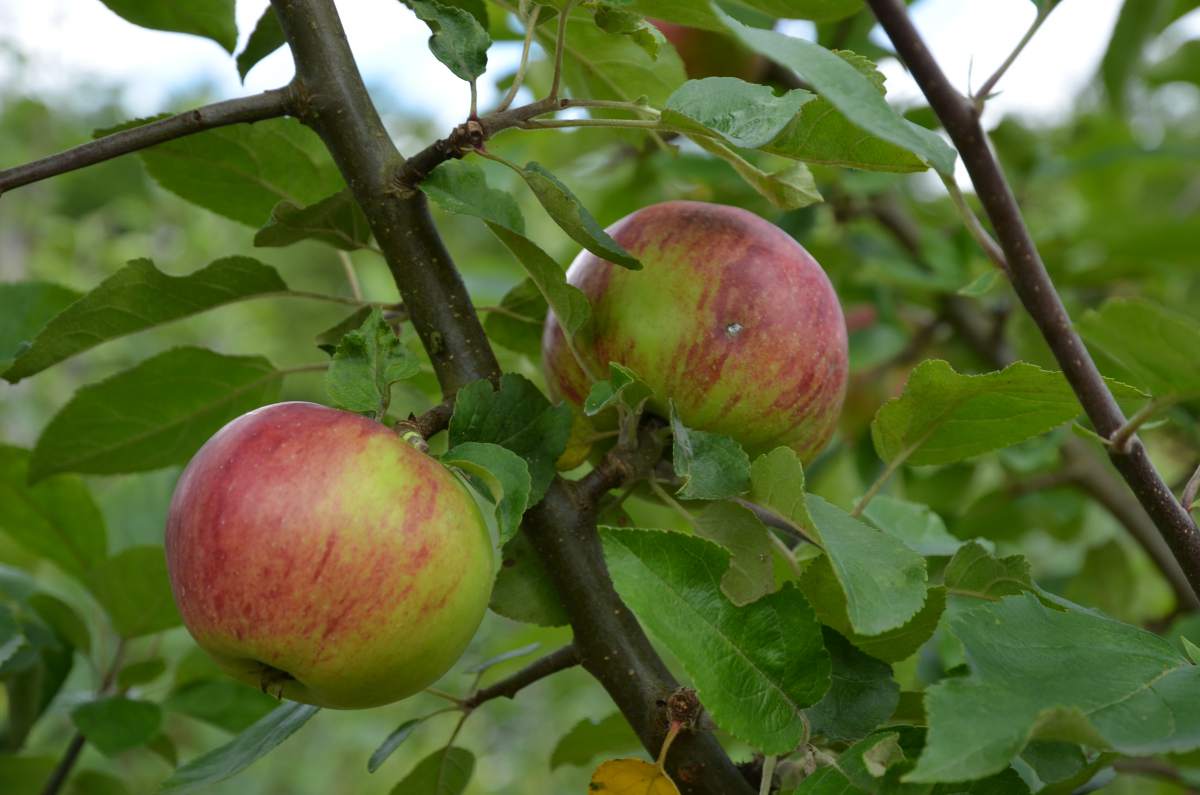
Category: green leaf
[711,466]
[503,472]
[862,693]
[55,519]
[573,218]
[902,642]
[523,590]
[517,417]
[751,573]
[976,573]
[27,307]
[777,483]
[921,530]
[140,673]
[224,703]
[788,189]
[590,738]
[1136,26]
[446,771]
[212,19]
[328,339]
[116,724]
[63,619]
[461,187]
[690,12]
[336,220]
[241,752]
[244,170]
[1055,675]
[755,667]
[623,387]
[458,40]
[518,326]
[943,416]
[1183,65]
[365,364]
[138,297]
[503,657]
[1155,345]
[391,743]
[602,65]
[846,89]
[266,38]
[133,587]
[823,134]
[153,415]
[742,114]
[882,579]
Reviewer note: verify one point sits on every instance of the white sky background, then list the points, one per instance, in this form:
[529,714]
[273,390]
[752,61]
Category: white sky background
[71,42]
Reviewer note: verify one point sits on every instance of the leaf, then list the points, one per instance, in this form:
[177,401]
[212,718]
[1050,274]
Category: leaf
[623,387]
[777,483]
[446,771]
[244,170]
[365,364]
[116,724]
[690,12]
[55,519]
[511,654]
[711,466]
[224,703]
[140,673]
[921,530]
[742,114]
[1136,25]
[336,220]
[266,38]
[242,751]
[27,307]
[573,218]
[1055,675]
[846,89]
[823,134]
[788,189]
[882,579]
[1155,345]
[751,573]
[755,667]
[212,19]
[862,693]
[631,777]
[391,743]
[133,587]
[138,297]
[328,339]
[153,415]
[458,40]
[461,188]
[590,738]
[942,416]
[975,572]
[602,65]
[518,325]
[505,474]
[63,619]
[518,417]
[523,590]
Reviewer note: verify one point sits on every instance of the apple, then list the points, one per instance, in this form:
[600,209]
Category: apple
[730,318]
[315,554]
[706,53]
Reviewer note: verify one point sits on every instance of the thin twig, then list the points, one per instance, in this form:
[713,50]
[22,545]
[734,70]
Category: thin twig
[1191,490]
[71,755]
[984,92]
[519,78]
[560,45]
[1034,286]
[351,275]
[267,105]
[768,774]
[1120,439]
[552,663]
[990,247]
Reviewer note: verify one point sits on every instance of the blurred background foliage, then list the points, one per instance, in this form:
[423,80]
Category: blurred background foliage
[1112,193]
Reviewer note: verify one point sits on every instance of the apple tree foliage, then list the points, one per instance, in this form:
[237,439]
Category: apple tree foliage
[958,595]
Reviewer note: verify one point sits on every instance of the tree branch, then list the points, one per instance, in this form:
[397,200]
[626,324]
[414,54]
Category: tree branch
[332,99]
[552,663]
[1035,288]
[268,105]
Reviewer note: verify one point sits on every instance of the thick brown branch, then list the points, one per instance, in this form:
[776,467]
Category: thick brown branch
[259,107]
[552,663]
[1035,288]
[612,647]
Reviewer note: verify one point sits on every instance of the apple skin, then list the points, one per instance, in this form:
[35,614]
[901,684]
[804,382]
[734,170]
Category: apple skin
[315,554]
[706,53]
[730,317]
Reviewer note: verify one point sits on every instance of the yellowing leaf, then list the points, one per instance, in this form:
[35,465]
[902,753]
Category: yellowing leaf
[631,777]
[579,443]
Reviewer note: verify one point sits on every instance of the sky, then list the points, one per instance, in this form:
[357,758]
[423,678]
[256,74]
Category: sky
[69,42]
